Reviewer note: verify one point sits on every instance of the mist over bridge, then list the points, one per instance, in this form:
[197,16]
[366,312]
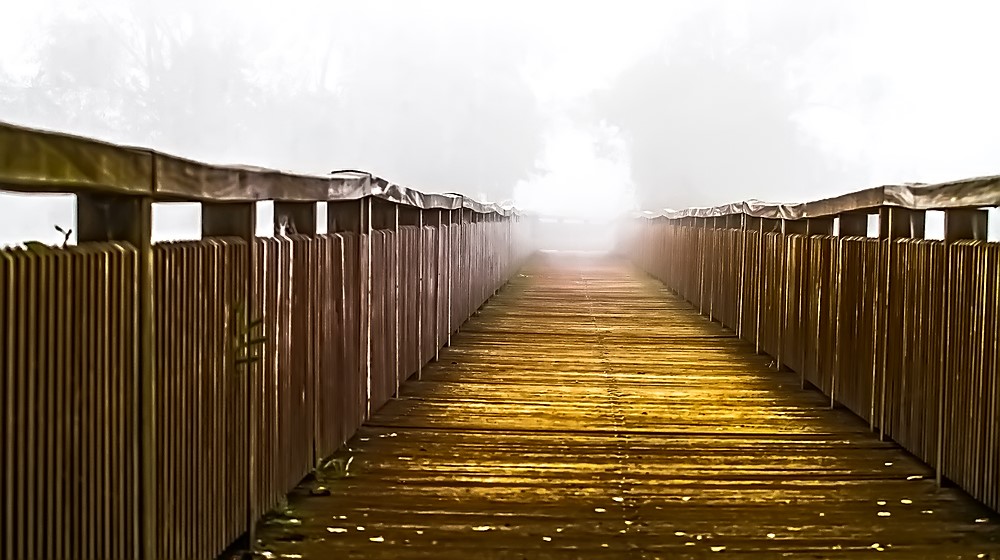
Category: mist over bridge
[160,399]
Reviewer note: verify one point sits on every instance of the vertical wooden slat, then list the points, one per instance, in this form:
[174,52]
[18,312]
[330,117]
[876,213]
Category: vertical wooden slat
[8,303]
[56,385]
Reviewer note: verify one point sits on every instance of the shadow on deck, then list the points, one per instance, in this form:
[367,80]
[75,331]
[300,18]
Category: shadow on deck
[587,412]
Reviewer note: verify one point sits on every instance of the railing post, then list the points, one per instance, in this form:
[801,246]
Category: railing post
[130,219]
[788,227]
[732,283]
[437,223]
[767,225]
[854,224]
[819,226]
[448,251]
[299,218]
[414,217]
[396,300]
[350,216]
[384,216]
[742,226]
[894,224]
[712,234]
[959,224]
[367,219]
[700,226]
[470,262]
[497,271]
[467,246]
[240,220]
[420,293]
[748,224]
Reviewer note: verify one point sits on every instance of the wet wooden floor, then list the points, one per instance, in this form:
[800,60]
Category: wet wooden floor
[589,413]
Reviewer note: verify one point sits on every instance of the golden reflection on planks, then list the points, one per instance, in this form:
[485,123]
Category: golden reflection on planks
[587,412]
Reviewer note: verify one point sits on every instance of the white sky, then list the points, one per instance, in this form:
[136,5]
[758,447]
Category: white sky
[936,63]
[898,91]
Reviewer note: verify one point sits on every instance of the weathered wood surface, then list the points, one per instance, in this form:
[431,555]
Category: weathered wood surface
[589,413]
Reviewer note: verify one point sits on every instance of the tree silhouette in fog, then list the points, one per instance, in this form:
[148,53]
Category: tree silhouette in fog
[165,80]
[714,113]
[418,105]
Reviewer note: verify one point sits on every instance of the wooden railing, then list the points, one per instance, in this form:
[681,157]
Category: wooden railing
[157,399]
[901,330]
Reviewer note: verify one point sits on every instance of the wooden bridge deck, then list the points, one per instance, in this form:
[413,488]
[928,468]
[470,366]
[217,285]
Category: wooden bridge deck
[588,413]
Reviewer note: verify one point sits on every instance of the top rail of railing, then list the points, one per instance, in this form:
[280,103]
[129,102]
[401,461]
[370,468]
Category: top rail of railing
[977,192]
[37,161]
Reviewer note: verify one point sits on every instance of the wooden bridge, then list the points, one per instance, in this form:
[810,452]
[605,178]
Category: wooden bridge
[587,412]
[750,379]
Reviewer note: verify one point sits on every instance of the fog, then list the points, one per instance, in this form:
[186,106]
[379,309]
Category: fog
[580,110]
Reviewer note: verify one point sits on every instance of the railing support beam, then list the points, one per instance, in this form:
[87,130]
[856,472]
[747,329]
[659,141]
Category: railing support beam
[220,219]
[899,223]
[965,223]
[295,217]
[853,224]
[819,226]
